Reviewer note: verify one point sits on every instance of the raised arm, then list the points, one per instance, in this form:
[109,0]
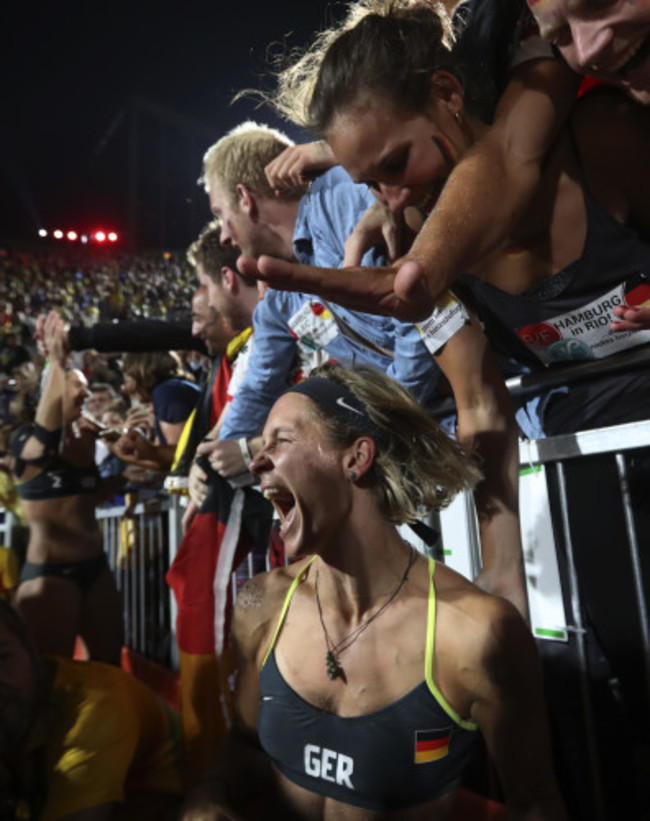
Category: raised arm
[486,424]
[50,413]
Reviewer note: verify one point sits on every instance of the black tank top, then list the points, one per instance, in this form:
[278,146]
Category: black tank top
[566,319]
[405,754]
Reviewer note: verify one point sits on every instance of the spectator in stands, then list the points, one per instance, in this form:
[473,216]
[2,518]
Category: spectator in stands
[81,740]
[209,325]
[196,364]
[234,298]
[97,367]
[66,588]
[113,419]
[606,40]
[101,397]
[13,354]
[195,573]
[345,456]
[156,380]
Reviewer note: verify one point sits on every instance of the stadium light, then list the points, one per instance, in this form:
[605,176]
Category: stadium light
[42,232]
[100,236]
[58,234]
[112,236]
[72,235]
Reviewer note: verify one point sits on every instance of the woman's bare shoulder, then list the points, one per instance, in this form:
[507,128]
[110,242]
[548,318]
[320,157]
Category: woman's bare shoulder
[479,624]
[260,602]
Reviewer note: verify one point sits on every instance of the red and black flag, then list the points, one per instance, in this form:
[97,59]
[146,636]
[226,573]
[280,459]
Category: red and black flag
[231,523]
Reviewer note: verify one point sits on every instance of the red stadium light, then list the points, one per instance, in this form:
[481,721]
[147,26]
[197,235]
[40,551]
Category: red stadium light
[112,236]
[99,236]
[72,235]
[57,234]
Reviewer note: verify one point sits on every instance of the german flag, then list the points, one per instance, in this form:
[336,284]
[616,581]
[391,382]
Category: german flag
[230,523]
[431,745]
[637,291]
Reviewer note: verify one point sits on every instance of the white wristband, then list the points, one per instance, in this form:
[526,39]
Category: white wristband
[245,452]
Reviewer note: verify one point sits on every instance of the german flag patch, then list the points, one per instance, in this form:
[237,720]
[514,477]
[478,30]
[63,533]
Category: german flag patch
[431,745]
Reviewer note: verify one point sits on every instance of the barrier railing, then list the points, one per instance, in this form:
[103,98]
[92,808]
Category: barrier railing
[7,523]
[140,539]
[588,593]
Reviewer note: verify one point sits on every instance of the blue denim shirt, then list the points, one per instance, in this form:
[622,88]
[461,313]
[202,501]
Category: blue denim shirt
[294,332]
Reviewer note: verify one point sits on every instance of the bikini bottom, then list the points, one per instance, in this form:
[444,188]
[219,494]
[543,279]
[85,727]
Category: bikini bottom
[83,573]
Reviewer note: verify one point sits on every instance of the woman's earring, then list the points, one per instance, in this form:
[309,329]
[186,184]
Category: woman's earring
[352,475]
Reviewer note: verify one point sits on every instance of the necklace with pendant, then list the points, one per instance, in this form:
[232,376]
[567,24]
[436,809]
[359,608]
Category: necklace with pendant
[332,663]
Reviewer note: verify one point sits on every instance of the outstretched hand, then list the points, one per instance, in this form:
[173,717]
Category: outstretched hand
[398,291]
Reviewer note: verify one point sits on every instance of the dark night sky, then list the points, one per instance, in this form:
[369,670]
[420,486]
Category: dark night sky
[69,74]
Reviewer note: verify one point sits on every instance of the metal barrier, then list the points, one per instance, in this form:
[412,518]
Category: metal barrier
[588,598]
[140,540]
[7,524]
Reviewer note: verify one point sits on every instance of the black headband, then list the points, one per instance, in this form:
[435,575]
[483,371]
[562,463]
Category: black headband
[339,401]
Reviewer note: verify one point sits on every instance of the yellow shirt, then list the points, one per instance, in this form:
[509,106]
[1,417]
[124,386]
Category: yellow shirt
[107,737]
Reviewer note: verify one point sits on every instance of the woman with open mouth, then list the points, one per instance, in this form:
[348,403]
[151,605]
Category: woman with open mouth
[364,669]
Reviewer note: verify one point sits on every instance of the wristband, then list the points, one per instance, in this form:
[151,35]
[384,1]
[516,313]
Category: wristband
[245,452]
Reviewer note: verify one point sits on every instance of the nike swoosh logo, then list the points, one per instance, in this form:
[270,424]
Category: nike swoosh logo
[340,401]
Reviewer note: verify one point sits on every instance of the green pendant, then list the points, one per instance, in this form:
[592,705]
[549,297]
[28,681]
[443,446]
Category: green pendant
[334,669]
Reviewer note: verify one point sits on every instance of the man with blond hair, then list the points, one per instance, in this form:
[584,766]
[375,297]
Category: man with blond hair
[311,228]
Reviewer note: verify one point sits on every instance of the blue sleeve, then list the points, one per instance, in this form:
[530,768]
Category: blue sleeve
[413,366]
[174,401]
[335,206]
[273,353]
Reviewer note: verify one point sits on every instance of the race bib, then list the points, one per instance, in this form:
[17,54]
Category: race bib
[313,326]
[584,332]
